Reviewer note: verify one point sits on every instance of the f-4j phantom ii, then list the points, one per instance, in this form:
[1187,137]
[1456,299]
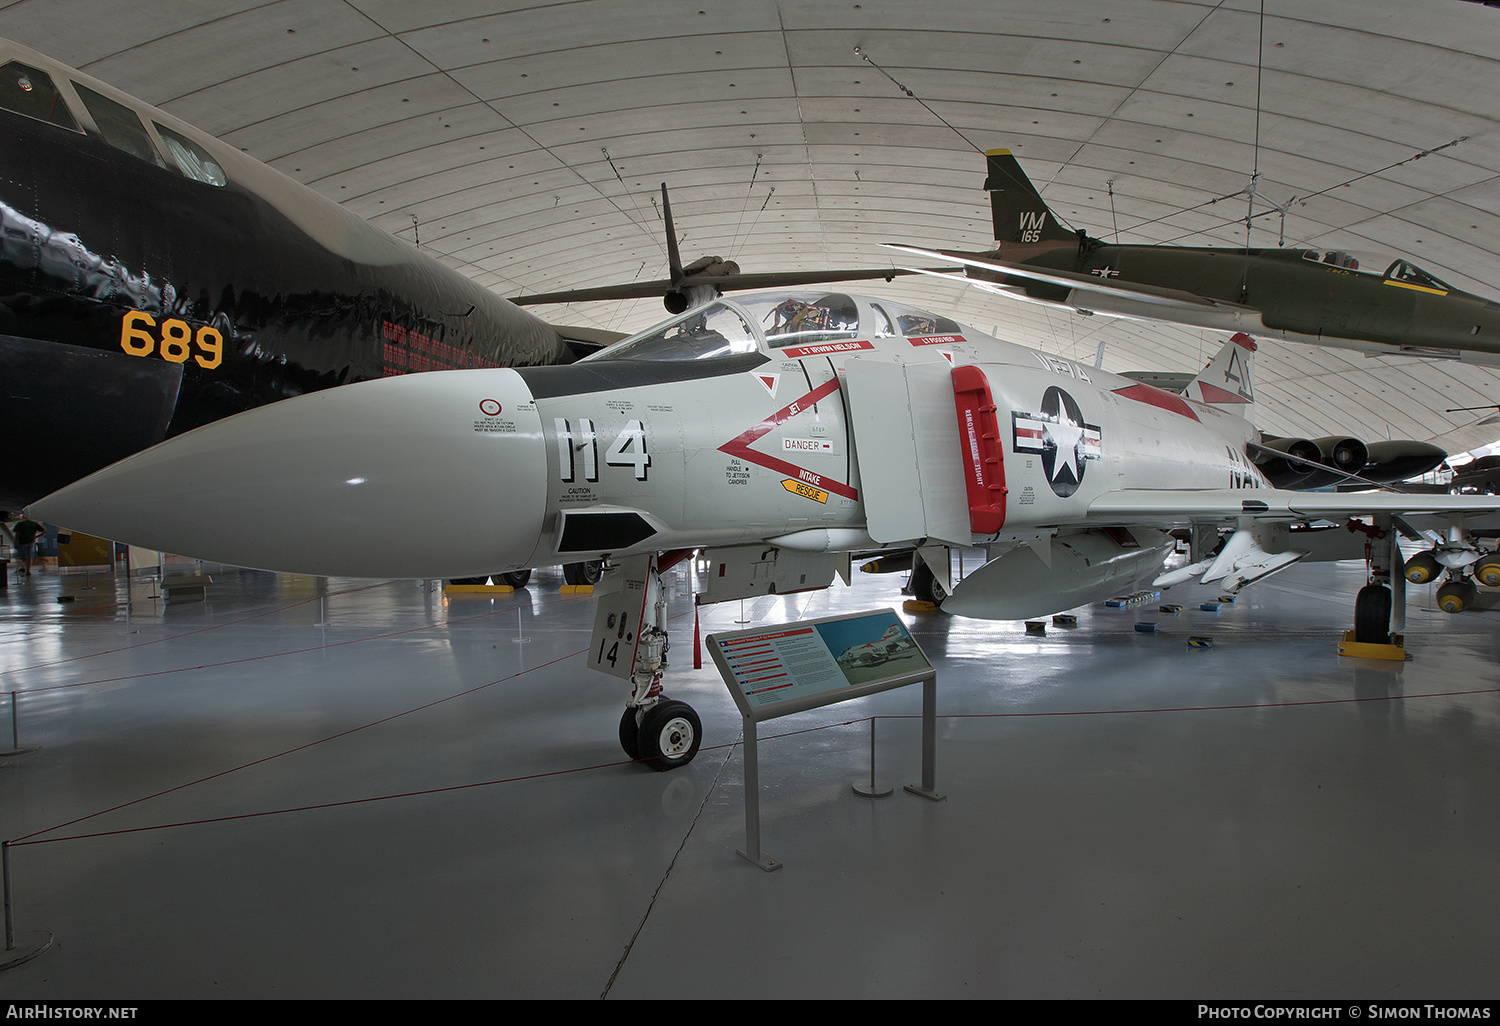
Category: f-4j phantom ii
[154,279]
[780,433]
[1385,306]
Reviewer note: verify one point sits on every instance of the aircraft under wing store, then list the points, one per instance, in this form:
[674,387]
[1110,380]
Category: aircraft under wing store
[779,432]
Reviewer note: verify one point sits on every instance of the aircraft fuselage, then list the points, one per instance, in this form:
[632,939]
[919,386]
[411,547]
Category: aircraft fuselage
[664,449]
[1298,298]
[139,300]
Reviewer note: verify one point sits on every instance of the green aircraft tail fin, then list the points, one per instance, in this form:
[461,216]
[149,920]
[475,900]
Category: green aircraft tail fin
[1021,215]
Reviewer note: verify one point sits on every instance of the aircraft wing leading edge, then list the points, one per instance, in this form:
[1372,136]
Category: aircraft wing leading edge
[1168,301]
[1174,507]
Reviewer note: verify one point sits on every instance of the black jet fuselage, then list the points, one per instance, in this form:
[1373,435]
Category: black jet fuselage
[154,279]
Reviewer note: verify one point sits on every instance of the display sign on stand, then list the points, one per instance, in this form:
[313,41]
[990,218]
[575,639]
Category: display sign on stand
[787,668]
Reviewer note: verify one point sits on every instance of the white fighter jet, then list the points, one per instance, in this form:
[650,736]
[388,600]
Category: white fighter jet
[893,644]
[780,433]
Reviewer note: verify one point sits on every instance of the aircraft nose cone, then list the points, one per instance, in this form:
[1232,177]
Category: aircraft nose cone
[442,474]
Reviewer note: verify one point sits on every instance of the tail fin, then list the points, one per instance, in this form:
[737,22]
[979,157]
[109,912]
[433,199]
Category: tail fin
[1021,215]
[674,259]
[1226,379]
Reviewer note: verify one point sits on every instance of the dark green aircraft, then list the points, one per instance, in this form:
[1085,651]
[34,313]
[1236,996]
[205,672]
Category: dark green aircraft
[1302,295]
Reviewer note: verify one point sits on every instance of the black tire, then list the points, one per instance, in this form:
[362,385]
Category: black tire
[670,735]
[584,573]
[516,578]
[1372,615]
[630,734]
[924,585]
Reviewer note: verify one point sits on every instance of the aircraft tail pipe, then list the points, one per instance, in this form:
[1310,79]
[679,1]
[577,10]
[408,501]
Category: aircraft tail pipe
[1285,472]
[1346,454]
[1315,463]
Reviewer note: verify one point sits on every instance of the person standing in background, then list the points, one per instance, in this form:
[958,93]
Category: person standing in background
[23,534]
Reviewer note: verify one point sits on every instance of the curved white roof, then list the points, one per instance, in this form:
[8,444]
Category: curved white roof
[527,146]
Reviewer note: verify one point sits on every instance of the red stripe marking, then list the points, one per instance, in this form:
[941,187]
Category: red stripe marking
[740,447]
[1215,394]
[1153,396]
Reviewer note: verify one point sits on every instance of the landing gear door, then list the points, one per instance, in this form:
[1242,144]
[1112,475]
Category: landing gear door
[626,601]
[906,442]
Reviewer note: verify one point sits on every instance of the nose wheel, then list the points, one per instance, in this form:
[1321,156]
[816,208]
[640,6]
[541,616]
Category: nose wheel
[665,735]
[630,642]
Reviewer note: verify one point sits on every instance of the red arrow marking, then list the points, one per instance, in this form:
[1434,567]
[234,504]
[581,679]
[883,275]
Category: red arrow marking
[740,447]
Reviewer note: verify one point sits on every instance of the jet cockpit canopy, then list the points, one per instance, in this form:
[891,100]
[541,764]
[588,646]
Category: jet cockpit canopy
[1395,268]
[771,321]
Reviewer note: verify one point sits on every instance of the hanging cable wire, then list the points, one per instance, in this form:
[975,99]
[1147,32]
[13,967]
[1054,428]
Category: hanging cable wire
[866,58]
[734,241]
[1260,64]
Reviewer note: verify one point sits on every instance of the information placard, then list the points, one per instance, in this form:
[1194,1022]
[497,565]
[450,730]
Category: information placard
[773,671]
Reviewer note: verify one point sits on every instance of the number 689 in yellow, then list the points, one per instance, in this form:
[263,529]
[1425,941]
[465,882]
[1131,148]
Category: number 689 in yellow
[176,341]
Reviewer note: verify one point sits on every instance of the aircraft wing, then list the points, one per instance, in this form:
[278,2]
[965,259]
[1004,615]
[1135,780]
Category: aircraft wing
[1165,506]
[722,282]
[1144,301]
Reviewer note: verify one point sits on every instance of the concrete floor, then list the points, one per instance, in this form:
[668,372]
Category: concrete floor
[233,801]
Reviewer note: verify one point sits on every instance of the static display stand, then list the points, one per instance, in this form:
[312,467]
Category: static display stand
[793,667]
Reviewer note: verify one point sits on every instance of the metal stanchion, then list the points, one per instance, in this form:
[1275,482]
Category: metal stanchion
[872,790]
[16,747]
[28,945]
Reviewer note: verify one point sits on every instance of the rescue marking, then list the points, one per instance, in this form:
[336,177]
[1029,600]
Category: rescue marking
[805,490]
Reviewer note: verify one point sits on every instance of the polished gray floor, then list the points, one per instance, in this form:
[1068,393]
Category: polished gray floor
[305,788]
